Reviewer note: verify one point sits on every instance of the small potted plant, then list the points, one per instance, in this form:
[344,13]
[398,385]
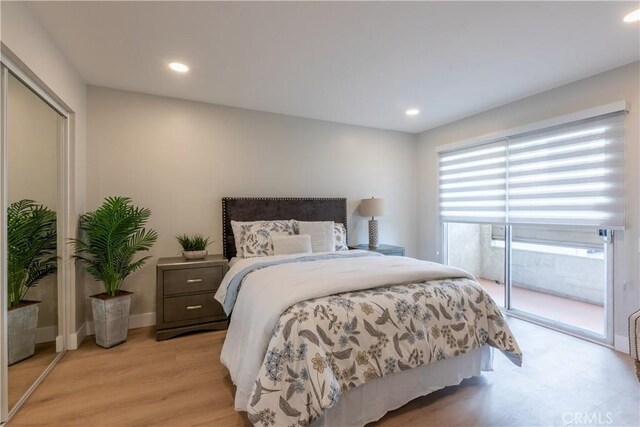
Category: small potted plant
[31,256]
[112,235]
[193,247]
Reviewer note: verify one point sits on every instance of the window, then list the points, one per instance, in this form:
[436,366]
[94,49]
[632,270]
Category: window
[570,174]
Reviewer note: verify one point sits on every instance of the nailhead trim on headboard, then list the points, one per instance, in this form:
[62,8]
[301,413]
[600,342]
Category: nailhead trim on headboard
[227,232]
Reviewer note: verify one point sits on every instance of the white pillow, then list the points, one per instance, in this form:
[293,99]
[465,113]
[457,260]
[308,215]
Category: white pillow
[322,235]
[253,238]
[299,244]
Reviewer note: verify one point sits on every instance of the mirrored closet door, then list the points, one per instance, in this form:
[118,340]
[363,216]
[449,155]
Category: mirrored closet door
[33,335]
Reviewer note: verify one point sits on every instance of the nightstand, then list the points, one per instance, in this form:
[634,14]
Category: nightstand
[185,295]
[382,249]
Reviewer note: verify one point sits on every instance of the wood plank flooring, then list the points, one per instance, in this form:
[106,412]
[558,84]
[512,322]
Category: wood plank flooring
[181,382]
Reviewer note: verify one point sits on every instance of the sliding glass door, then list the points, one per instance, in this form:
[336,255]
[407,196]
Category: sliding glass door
[530,214]
[557,276]
[561,275]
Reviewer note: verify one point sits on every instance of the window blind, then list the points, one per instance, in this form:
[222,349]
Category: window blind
[473,184]
[570,174]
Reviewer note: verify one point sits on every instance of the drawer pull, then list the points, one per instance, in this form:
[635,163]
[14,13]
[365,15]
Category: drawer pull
[194,307]
[194,280]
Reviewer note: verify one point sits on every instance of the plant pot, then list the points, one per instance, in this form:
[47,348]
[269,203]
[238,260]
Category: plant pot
[194,254]
[111,318]
[22,322]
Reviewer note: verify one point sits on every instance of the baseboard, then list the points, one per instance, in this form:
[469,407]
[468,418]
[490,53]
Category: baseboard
[621,344]
[76,338]
[135,321]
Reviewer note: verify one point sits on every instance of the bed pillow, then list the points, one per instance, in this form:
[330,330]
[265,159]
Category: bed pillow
[322,234]
[340,233]
[253,239]
[298,244]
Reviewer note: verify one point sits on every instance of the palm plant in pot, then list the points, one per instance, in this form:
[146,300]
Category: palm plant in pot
[31,256]
[112,235]
[193,247]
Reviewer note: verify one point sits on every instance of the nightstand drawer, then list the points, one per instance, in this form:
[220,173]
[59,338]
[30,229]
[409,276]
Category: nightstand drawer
[185,295]
[188,280]
[189,307]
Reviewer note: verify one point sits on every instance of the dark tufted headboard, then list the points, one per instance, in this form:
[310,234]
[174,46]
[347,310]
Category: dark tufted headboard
[274,208]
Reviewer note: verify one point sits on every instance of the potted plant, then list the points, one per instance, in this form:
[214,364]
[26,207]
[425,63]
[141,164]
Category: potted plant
[112,235]
[31,256]
[193,247]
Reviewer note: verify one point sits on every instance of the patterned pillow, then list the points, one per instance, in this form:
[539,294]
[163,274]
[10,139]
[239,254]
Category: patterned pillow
[341,237]
[253,239]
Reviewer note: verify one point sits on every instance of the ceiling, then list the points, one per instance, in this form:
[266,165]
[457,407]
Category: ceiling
[358,63]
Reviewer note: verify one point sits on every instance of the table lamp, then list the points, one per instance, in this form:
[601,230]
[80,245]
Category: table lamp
[372,208]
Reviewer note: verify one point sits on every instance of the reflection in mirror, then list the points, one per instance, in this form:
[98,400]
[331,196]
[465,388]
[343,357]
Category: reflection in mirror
[33,133]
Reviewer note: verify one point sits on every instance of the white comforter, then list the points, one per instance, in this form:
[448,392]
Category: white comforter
[266,293]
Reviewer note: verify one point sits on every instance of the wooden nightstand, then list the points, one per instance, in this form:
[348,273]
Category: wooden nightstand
[382,249]
[185,295]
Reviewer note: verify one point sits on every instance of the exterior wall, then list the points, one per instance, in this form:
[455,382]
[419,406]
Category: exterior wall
[492,256]
[574,277]
[465,249]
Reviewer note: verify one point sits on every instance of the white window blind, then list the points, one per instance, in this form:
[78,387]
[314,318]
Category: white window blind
[570,174]
[473,184]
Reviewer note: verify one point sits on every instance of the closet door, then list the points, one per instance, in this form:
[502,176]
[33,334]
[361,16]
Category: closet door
[32,329]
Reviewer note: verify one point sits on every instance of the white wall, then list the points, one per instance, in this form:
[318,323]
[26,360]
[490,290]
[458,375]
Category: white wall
[615,85]
[26,42]
[179,158]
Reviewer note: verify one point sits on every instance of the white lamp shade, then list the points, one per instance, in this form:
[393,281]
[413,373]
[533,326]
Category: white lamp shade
[372,207]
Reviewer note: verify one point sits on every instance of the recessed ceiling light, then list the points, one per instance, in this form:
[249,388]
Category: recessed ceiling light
[412,112]
[633,16]
[177,66]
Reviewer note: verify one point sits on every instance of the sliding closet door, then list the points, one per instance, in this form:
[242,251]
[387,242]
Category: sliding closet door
[32,205]
[34,131]
[4,410]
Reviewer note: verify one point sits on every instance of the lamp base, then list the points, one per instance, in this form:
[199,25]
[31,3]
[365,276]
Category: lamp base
[373,233]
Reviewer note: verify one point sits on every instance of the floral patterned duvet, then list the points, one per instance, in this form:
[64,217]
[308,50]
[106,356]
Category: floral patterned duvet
[324,346]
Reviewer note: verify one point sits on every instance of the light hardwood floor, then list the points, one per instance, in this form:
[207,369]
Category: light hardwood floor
[181,382]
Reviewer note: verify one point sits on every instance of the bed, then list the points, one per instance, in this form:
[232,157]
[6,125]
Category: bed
[340,338]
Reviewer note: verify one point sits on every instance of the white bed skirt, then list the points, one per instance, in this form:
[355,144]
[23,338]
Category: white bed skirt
[371,401]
